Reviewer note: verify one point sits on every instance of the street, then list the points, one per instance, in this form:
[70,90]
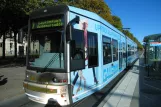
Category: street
[11,88]
[12,93]
[20,101]
[11,84]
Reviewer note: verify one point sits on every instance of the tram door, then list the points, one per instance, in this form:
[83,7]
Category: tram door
[120,55]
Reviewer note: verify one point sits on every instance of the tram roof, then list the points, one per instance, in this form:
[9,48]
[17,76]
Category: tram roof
[152,37]
[64,8]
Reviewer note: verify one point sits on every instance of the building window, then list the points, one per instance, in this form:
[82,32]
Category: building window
[115,49]
[0,44]
[107,57]
[11,45]
[92,50]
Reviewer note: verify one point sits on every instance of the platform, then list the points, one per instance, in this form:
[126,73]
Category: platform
[135,89]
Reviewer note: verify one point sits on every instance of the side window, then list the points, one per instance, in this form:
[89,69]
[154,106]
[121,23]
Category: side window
[92,50]
[115,49]
[124,50]
[128,50]
[77,50]
[107,57]
[77,45]
[132,50]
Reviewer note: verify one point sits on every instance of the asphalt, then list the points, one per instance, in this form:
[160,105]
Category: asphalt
[12,62]
[11,82]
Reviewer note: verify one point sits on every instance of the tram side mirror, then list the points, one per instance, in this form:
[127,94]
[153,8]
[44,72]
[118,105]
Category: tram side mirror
[77,19]
[73,46]
[69,32]
[70,28]
[20,36]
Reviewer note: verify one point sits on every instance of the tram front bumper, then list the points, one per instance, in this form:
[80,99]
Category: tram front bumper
[43,93]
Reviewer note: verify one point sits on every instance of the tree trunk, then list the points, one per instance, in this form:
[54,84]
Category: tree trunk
[4,45]
[15,43]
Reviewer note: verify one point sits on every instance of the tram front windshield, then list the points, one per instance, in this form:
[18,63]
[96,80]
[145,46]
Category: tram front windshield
[46,50]
[46,44]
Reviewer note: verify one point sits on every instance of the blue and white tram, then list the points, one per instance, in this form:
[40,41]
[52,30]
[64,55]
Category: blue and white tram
[76,54]
[131,51]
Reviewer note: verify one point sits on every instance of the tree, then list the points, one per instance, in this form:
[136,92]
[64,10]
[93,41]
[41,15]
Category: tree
[12,18]
[130,35]
[32,5]
[117,22]
[3,25]
[96,6]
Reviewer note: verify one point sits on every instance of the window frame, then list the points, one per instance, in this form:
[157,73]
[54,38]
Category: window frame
[95,35]
[113,50]
[109,43]
[77,64]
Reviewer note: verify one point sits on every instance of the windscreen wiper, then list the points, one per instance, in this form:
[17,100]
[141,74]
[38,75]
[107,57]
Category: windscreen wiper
[55,57]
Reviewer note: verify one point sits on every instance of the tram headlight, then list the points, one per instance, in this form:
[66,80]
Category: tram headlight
[63,95]
[59,80]
[54,80]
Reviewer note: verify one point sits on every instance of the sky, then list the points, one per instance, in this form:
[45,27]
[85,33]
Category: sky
[143,17]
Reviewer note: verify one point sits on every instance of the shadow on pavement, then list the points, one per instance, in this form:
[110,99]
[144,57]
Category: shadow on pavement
[3,81]
[150,87]
[52,103]
[12,62]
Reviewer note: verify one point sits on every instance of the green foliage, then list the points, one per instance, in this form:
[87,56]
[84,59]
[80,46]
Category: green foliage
[13,11]
[2,5]
[130,35]
[12,18]
[11,15]
[117,22]
[36,4]
[97,6]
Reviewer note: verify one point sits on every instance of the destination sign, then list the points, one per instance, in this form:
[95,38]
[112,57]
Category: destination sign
[50,23]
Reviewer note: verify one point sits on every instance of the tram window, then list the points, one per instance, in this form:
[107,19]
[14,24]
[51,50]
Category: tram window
[128,50]
[124,50]
[107,58]
[132,50]
[77,45]
[115,50]
[92,50]
[77,50]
